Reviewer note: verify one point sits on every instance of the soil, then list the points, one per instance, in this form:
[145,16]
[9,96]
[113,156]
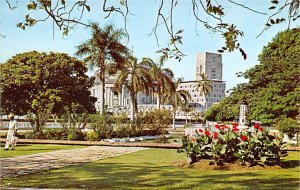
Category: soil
[204,165]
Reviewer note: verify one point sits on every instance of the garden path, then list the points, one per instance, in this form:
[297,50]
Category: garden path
[34,163]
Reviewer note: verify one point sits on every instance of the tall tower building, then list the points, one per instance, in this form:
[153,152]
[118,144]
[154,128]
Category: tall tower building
[210,64]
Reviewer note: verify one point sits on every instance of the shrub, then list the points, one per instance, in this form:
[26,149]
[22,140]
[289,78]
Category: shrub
[229,145]
[30,135]
[157,120]
[55,134]
[92,136]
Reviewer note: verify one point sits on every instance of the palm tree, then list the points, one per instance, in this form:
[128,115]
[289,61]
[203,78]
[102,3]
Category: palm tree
[178,98]
[104,51]
[163,79]
[136,78]
[205,86]
[187,108]
[198,116]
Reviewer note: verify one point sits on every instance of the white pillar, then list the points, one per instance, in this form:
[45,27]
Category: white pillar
[111,97]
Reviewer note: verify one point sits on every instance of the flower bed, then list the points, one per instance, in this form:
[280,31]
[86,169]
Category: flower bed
[230,144]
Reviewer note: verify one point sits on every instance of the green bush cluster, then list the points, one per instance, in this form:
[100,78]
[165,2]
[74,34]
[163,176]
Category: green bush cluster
[149,123]
[229,145]
[110,126]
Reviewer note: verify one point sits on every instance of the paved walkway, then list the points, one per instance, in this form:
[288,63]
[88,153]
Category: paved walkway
[34,163]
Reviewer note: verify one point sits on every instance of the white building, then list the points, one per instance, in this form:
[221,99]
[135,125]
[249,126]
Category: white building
[211,65]
[208,63]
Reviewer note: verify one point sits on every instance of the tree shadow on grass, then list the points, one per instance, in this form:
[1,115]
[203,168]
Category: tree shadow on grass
[150,176]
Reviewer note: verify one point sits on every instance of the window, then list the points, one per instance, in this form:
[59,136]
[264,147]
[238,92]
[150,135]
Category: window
[213,73]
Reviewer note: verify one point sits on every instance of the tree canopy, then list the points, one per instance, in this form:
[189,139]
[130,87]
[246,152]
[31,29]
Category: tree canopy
[273,87]
[33,82]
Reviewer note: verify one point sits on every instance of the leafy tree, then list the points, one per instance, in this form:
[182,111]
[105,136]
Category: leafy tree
[287,125]
[210,14]
[273,84]
[136,78]
[44,83]
[104,51]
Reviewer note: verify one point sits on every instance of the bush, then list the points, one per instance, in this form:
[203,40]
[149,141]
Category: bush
[30,135]
[92,136]
[230,145]
[156,120]
[55,134]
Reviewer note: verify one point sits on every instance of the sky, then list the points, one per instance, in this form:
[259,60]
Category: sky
[196,38]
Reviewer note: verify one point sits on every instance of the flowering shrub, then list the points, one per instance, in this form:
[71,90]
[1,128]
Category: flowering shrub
[229,144]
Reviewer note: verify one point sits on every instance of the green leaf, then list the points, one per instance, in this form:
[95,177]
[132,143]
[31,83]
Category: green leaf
[263,159]
[87,8]
[223,149]
[273,7]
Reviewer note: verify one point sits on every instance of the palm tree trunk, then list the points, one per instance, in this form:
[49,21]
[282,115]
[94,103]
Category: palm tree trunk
[132,106]
[174,113]
[158,100]
[186,119]
[102,79]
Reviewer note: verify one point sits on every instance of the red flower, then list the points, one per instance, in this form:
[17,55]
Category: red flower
[217,126]
[256,126]
[260,128]
[207,133]
[244,138]
[192,139]
[234,129]
[235,124]
[226,127]
[200,130]
[215,135]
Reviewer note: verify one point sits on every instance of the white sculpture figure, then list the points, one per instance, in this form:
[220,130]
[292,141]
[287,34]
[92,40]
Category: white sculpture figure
[11,138]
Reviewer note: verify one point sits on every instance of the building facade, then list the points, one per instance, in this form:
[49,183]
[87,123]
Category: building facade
[211,65]
[208,63]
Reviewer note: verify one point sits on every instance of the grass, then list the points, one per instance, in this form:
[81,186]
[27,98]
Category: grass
[154,169]
[26,149]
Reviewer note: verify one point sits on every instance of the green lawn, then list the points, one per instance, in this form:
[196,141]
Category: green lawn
[26,149]
[154,169]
